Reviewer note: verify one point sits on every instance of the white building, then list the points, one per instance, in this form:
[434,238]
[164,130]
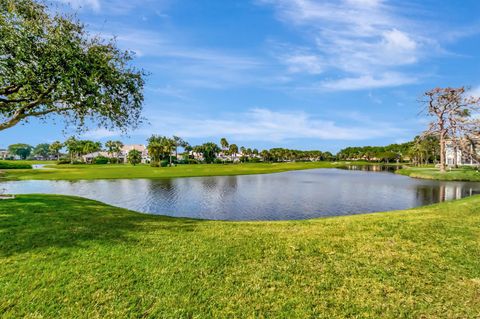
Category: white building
[139,147]
[3,154]
[462,158]
[122,156]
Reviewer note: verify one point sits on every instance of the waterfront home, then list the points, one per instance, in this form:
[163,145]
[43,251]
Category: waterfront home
[122,156]
[4,154]
[455,155]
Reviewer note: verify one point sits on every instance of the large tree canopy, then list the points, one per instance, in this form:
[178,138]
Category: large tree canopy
[49,64]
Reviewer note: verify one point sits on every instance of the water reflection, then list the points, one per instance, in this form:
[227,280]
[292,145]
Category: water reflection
[372,168]
[290,195]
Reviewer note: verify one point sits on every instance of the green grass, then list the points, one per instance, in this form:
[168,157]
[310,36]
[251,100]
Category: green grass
[68,257]
[28,162]
[459,174]
[14,165]
[88,172]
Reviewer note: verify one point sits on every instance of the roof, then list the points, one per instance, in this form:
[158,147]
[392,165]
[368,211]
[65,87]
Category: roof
[138,147]
[96,154]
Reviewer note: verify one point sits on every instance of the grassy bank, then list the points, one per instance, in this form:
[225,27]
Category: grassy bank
[88,172]
[459,174]
[72,257]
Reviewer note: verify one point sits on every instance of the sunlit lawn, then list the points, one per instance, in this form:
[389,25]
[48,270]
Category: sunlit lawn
[109,171]
[70,257]
[458,174]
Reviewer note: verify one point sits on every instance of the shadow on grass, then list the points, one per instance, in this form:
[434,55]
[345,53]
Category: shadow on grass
[32,222]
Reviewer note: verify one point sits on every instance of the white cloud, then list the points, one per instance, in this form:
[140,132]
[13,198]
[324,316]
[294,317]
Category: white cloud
[117,7]
[368,82]
[475,92]
[100,133]
[77,4]
[356,37]
[307,63]
[190,65]
[266,125]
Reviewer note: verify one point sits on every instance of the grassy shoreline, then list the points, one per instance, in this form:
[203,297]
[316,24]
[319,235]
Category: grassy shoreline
[459,174]
[72,257]
[90,172]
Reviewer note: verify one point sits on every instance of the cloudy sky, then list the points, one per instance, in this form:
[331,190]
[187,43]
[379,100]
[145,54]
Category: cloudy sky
[306,74]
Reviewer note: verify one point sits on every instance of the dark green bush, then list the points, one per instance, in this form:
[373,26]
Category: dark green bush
[67,161]
[244,159]
[164,163]
[10,165]
[63,160]
[114,160]
[193,161]
[100,160]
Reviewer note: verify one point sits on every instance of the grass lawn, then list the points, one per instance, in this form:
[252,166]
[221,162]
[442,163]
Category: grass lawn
[118,171]
[64,257]
[459,174]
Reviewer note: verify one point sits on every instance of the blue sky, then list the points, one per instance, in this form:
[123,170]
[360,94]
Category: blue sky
[305,74]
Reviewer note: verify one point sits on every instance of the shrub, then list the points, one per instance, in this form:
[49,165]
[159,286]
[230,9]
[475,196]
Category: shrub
[154,164]
[192,161]
[255,160]
[218,161]
[244,159]
[164,163]
[63,160]
[8,165]
[100,160]
[114,160]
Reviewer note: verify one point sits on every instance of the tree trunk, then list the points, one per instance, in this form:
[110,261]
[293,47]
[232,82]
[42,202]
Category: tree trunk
[455,156]
[443,167]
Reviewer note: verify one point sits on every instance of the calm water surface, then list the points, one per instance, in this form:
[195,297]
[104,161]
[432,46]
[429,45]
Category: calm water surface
[281,196]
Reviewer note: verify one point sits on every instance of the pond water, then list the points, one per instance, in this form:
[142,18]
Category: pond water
[280,196]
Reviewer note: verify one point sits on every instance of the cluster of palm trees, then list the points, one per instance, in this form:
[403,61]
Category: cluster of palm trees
[389,153]
[272,155]
[288,155]
[161,148]
[77,148]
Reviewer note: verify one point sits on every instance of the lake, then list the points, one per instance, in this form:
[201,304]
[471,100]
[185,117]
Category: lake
[280,196]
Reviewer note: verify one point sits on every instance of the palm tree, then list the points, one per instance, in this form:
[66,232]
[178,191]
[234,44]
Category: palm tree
[179,142]
[91,147]
[114,147]
[224,144]
[209,151]
[233,150]
[110,145]
[55,148]
[169,145]
[72,145]
[155,149]
[265,155]
[118,149]
[134,157]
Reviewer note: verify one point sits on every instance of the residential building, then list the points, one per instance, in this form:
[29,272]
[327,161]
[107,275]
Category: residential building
[3,154]
[462,158]
[122,156]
